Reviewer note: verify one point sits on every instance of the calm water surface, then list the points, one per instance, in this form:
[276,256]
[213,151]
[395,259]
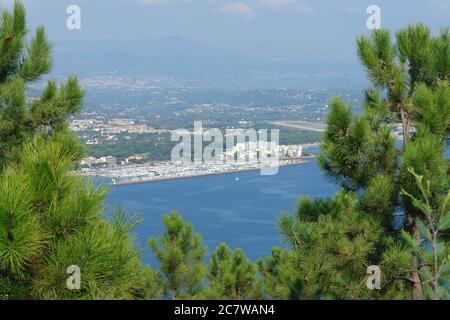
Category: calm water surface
[241,213]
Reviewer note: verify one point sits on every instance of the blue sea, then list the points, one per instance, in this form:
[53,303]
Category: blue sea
[240,212]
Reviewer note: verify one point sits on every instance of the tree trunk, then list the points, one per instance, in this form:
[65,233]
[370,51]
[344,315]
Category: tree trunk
[405,125]
[417,290]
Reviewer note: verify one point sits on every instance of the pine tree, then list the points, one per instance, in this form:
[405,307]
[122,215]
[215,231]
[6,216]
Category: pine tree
[410,87]
[21,64]
[231,276]
[435,256]
[333,242]
[281,278]
[180,253]
[50,219]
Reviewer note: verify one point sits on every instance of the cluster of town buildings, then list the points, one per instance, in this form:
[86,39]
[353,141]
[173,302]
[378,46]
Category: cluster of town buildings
[248,151]
[110,161]
[253,150]
[97,130]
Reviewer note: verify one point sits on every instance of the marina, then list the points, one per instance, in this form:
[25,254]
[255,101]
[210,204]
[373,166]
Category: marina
[160,171]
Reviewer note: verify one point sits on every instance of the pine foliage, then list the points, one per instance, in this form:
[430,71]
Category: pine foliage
[51,219]
[333,241]
[180,253]
[231,276]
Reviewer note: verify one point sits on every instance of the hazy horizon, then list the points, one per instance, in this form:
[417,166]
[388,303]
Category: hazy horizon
[217,36]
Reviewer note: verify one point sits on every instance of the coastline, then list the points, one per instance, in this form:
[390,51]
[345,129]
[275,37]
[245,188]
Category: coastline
[149,180]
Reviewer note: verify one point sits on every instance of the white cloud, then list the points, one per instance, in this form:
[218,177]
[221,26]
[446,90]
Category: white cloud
[239,8]
[161,2]
[276,4]
[292,5]
[303,9]
[151,2]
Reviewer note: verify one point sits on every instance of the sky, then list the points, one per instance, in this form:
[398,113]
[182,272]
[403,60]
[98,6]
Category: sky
[271,30]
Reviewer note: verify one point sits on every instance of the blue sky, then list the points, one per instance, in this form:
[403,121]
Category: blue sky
[273,29]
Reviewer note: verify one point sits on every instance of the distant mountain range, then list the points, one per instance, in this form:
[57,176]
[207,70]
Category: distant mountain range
[178,56]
